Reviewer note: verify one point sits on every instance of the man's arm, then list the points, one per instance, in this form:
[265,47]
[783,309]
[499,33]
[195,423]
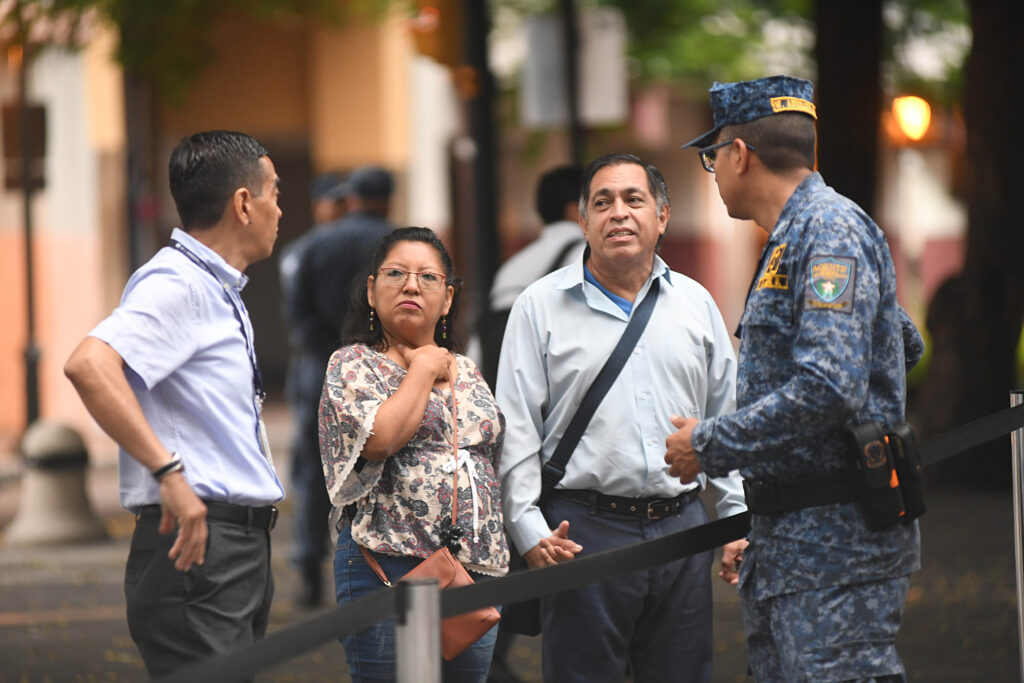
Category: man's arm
[521,391]
[97,372]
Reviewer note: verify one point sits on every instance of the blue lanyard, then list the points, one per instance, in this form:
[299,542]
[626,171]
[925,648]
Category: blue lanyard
[257,378]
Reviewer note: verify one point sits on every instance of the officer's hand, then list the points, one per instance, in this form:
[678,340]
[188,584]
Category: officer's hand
[679,453]
[732,555]
[557,547]
[181,506]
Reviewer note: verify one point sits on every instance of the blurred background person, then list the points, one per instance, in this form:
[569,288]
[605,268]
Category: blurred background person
[560,242]
[316,279]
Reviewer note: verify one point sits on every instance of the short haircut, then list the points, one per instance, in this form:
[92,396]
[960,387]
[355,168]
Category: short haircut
[558,187]
[782,142]
[655,181]
[356,329]
[205,170]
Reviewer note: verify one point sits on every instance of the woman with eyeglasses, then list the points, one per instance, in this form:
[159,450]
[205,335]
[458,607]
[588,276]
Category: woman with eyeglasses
[386,444]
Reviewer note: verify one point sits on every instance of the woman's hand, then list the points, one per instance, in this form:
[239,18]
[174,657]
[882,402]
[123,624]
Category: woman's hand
[401,414]
[428,358]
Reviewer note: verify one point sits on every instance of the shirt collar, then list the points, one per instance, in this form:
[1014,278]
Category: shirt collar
[809,185]
[573,275]
[224,272]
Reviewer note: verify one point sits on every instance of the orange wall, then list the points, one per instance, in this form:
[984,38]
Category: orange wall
[256,84]
[67,282]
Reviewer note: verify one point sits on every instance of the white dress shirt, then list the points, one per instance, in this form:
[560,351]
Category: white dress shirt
[559,335]
[185,338]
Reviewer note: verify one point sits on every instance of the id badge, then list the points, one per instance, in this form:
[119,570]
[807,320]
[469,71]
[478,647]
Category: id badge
[262,430]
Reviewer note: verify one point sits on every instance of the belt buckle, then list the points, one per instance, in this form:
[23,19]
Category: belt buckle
[658,508]
[273,518]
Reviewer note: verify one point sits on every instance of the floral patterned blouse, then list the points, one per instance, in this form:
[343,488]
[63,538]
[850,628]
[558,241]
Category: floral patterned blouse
[402,504]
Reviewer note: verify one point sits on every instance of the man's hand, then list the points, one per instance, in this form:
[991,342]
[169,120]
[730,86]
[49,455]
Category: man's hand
[732,555]
[679,453]
[179,504]
[557,547]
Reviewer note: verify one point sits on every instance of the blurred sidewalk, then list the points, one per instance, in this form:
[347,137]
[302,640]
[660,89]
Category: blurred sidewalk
[62,608]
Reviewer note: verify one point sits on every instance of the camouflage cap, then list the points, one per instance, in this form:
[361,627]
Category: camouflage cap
[734,103]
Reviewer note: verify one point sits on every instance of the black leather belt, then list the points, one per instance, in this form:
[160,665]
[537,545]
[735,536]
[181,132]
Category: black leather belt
[645,508]
[775,497]
[242,515]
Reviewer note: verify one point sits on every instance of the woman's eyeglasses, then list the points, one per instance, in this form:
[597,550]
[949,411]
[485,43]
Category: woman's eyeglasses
[396,277]
[707,154]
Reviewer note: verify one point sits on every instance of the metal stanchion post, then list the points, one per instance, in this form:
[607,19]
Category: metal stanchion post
[418,632]
[1017,448]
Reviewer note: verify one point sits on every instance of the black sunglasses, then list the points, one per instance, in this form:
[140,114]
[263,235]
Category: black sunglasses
[707,154]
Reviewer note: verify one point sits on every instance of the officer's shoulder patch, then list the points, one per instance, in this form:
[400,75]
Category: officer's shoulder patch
[831,283]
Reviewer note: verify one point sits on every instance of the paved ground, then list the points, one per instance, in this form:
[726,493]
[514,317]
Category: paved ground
[62,608]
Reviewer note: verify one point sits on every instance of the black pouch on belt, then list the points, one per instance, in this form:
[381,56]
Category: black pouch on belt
[882,502]
[907,461]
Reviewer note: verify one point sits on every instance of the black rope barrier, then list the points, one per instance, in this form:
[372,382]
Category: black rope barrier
[293,641]
[289,643]
[967,436]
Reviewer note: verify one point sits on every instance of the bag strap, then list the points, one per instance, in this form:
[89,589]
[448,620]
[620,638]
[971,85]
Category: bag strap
[375,566]
[563,253]
[554,468]
[453,376]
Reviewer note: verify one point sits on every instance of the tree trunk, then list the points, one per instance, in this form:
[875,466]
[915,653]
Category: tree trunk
[975,317]
[848,97]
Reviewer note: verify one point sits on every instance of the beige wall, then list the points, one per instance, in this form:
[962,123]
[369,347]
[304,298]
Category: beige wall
[77,219]
[359,74]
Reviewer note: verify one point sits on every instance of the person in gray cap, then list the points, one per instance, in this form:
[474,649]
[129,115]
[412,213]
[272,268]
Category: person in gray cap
[824,352]
[317,275]
[327,195]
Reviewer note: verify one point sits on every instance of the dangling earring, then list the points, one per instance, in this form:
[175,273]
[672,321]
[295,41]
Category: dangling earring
[444,327]
[371,320]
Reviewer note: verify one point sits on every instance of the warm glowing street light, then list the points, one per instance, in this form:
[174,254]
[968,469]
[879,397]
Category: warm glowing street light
[913,115]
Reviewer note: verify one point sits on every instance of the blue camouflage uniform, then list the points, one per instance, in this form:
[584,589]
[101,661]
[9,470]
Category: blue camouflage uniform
[824,346]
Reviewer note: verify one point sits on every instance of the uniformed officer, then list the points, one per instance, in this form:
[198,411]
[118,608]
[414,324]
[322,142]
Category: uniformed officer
[824,347]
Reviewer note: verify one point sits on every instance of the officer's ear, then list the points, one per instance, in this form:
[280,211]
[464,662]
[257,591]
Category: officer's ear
[741,155]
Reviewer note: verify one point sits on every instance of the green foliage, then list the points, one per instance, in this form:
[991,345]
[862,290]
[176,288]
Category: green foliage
[926,44]
[692,42]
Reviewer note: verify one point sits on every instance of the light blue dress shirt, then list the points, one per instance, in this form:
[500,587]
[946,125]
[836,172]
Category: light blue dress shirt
[560,332]
[188,363]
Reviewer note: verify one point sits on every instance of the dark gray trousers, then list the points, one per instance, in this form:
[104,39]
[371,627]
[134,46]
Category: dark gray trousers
[177,617]
[655,622]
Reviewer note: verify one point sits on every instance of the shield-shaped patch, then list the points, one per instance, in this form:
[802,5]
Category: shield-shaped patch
[831,282]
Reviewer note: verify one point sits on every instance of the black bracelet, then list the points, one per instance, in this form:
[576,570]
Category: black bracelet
[175,465]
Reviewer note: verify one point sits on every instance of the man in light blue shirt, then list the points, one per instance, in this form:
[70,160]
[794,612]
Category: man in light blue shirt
[561,331]
[172,376]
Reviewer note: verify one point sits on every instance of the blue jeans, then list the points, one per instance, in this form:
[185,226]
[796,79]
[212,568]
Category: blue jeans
[371,653]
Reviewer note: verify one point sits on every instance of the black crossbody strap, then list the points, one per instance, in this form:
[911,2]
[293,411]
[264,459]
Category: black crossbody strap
[554,469]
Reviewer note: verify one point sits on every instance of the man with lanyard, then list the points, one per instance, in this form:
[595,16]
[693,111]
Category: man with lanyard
[616,490]
[825,348]
[172,377]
